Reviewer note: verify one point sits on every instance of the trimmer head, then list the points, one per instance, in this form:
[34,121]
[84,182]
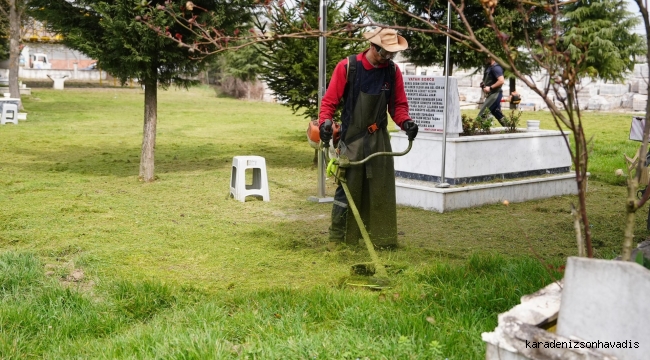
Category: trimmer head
[369,269]
[369,282]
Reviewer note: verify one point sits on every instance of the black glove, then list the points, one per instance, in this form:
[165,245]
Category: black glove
[326,131]
[411,129]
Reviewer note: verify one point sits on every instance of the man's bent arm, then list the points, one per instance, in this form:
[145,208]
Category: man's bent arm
[401,111]
[334,92]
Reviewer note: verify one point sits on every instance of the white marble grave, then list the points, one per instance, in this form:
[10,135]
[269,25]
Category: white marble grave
[480,158]
[531,164]
[528,165]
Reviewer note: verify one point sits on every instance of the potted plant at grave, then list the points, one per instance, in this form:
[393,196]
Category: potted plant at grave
[512,121]
[470,125]
[482,124]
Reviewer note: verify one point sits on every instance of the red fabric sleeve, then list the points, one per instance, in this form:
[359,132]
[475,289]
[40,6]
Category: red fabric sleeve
[334,92]
[401,111]
[336,88]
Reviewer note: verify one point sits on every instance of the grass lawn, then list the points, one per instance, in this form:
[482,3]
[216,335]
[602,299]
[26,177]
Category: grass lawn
[95,264]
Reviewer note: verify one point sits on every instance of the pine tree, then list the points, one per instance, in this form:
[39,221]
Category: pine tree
[242,66]
[4,36]
[290,66]
[115,34]
[428,49]
[601,30]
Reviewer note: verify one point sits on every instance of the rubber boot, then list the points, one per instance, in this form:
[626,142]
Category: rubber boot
[339,219]
[337,229]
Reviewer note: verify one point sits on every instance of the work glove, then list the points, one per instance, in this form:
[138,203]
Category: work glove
[326,131]
[411,129]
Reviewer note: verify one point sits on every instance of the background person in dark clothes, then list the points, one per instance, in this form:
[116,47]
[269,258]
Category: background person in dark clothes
[491,86]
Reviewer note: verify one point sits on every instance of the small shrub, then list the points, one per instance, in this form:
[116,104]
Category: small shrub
[511,121]
[479,124]
[470,125]
[484,123]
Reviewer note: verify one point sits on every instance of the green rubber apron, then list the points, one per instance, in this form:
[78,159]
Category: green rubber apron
[484,111]
[491,97]
[372,185]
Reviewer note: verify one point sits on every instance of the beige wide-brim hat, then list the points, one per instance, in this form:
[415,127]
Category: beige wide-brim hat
[387,39]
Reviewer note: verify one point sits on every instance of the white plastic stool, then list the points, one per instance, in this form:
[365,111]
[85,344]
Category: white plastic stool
[260,186]
[6,109]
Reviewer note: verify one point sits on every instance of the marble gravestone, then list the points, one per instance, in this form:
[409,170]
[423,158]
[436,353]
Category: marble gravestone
[426,96]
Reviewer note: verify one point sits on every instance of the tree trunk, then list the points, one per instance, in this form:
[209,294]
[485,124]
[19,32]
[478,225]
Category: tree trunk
[14,48]
[149,131]
[513,88]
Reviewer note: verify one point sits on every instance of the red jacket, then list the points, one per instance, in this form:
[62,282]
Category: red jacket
[335,90]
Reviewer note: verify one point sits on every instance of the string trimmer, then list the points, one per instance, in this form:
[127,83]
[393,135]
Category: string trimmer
[379,281]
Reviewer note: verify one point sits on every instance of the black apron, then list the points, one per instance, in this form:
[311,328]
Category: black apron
[372,185]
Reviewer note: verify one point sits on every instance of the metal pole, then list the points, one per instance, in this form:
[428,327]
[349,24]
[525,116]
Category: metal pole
[322,86]
[443,184]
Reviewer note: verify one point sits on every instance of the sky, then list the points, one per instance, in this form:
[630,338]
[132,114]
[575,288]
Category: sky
[634,8]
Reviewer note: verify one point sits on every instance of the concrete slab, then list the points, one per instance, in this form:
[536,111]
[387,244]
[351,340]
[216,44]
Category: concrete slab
[598,102]
[607,301]
[639,102]
[481,158]
[613,89]
[424,194]
[23,90]
[641,70]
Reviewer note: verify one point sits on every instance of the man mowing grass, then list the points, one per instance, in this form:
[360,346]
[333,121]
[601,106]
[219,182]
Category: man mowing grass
[370,83]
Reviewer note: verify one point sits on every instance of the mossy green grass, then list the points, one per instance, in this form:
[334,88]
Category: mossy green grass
[96,264]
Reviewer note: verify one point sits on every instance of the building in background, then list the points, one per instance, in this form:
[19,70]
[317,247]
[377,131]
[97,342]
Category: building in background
[37,40]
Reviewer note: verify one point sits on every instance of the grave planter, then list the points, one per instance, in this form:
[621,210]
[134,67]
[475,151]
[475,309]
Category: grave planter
[483,169]
[481,158]
[531,164]
[598,311]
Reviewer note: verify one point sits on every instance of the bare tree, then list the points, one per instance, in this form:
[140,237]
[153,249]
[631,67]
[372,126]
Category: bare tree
[564,51]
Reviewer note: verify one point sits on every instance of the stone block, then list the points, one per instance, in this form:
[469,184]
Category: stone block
[527,107]
[476,80]
[605,301]
[425,194]
[471,95]
[471,159]
[641,70]
[639,102]
[464,81]
[614,101]
[613,89]
[598,103]
[627,101]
